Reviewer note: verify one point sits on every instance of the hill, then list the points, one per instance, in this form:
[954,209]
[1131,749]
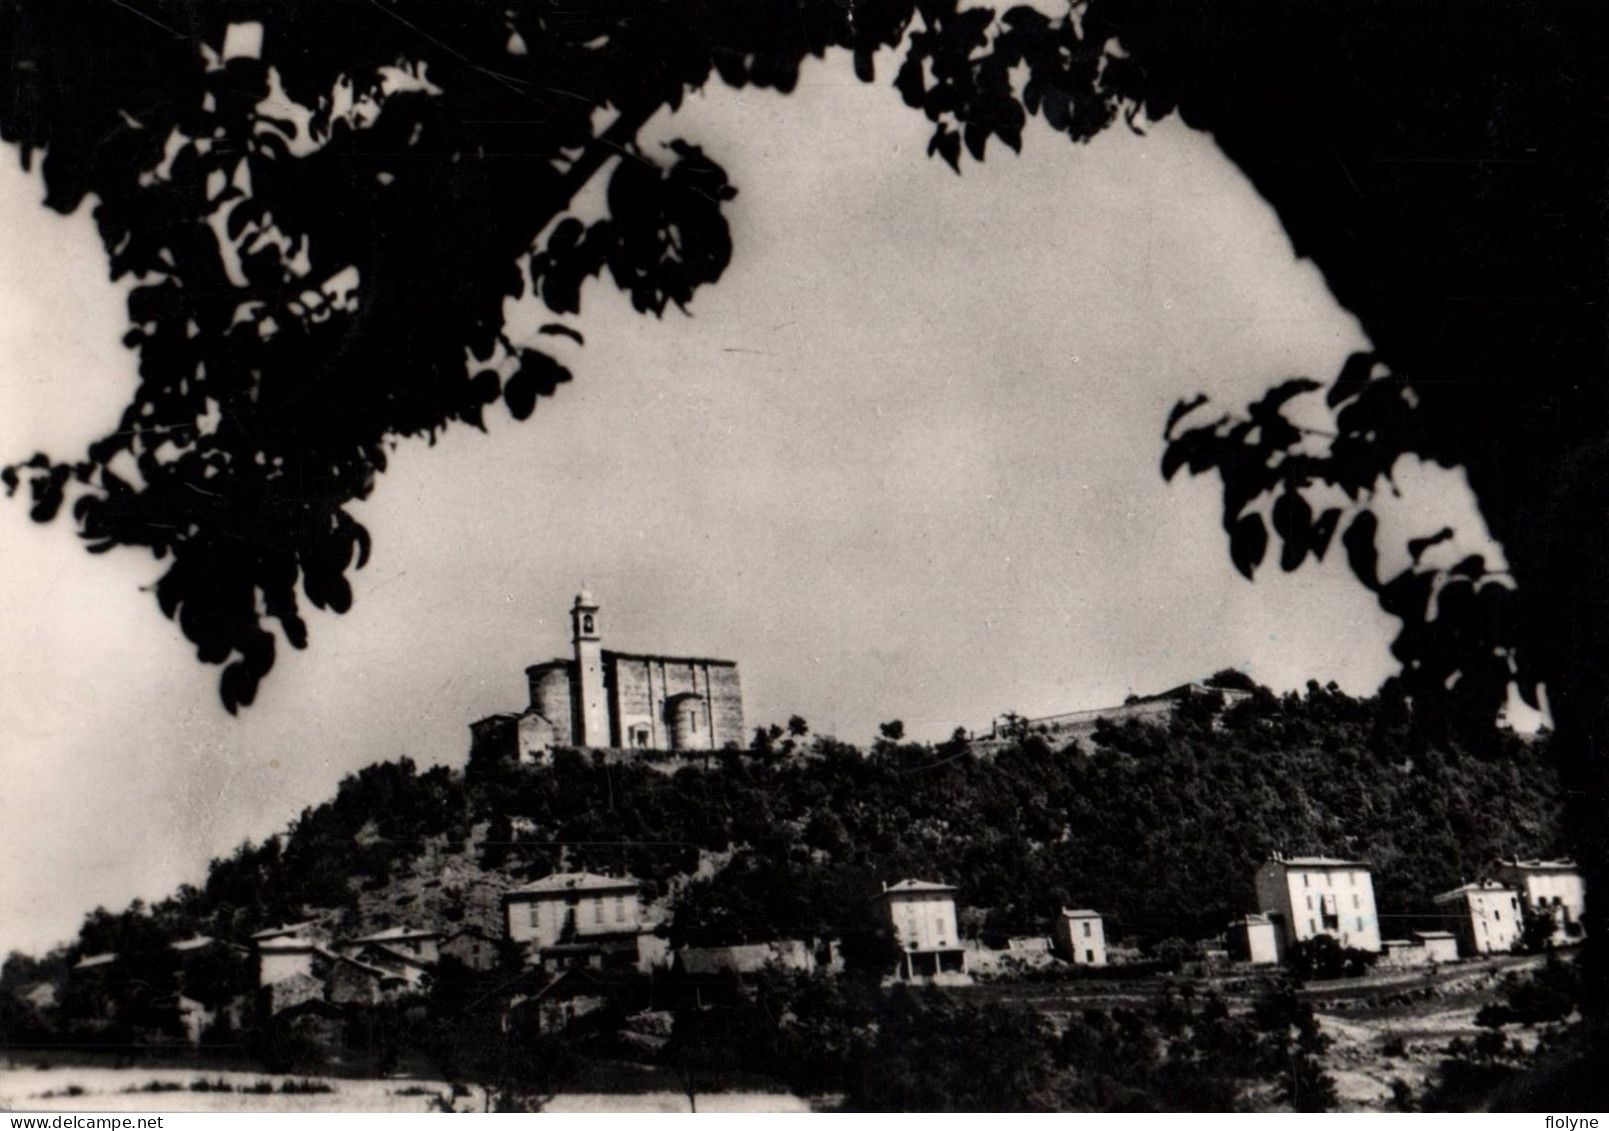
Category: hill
[1159,825]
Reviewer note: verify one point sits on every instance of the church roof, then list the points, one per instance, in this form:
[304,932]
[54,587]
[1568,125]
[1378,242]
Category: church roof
[654,656]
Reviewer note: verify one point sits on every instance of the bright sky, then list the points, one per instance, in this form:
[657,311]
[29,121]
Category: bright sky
[900,462]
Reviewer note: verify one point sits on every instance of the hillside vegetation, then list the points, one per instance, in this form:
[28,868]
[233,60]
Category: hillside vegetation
[1160,827]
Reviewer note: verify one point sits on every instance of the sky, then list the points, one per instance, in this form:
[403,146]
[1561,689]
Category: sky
[900,462]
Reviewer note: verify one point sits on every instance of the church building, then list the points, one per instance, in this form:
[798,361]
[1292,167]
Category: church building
[619,700]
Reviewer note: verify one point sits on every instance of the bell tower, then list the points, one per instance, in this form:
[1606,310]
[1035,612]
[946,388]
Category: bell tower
[591,710]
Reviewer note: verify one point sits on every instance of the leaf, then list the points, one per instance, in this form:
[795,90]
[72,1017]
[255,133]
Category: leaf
[1181,409]
[1248,542]
[1354,375]
[559,328]
[538,376]
[1293,521]
[1418,546]
[1361,552]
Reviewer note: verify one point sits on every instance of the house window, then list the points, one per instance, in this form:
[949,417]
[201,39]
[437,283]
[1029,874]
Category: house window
[1360,922]
[1086,930]
[1352,878]
[1310,903]
[620,909]
[1496,914]
[1355,903]
[1312,926]
[531,909]
[1089,956]
[597,909]
[1307,881]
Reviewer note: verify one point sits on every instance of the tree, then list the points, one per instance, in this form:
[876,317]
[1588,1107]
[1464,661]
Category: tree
[305,296]
[892,731]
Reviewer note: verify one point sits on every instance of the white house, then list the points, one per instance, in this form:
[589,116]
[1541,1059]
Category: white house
[1080,936]
[923,917]
[1554,887]
[1485,916]
[1308,896]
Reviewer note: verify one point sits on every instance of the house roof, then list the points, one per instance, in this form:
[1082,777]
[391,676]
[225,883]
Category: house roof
[370,968]
[285,929]
[1471,889]
[1433,935]
[395,934]
[1253,919]
[1565,865]
[291,944]
[560,883]
[1317,862]
[92,960]
[915,887]
[1080,913]
[381,953]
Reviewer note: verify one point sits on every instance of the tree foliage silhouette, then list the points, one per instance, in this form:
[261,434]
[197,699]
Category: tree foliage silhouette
[326,207]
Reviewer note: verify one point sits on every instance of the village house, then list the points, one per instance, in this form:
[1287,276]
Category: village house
[285,956]
[1080,937]
[1552,887]
[580,918]
[1485,917]
[924,922]
[1253,939]
[1308,896]
[618,700]
[474,947]
[411,943]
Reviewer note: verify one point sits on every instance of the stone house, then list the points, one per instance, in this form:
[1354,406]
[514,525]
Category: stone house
[474,947]
[1080,937]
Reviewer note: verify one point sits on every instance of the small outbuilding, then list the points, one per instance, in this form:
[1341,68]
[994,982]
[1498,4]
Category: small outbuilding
[1080,936]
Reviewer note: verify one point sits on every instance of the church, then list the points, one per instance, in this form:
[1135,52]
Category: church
[615,700]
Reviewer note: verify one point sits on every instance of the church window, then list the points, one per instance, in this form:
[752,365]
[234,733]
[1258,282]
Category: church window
[586,623]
